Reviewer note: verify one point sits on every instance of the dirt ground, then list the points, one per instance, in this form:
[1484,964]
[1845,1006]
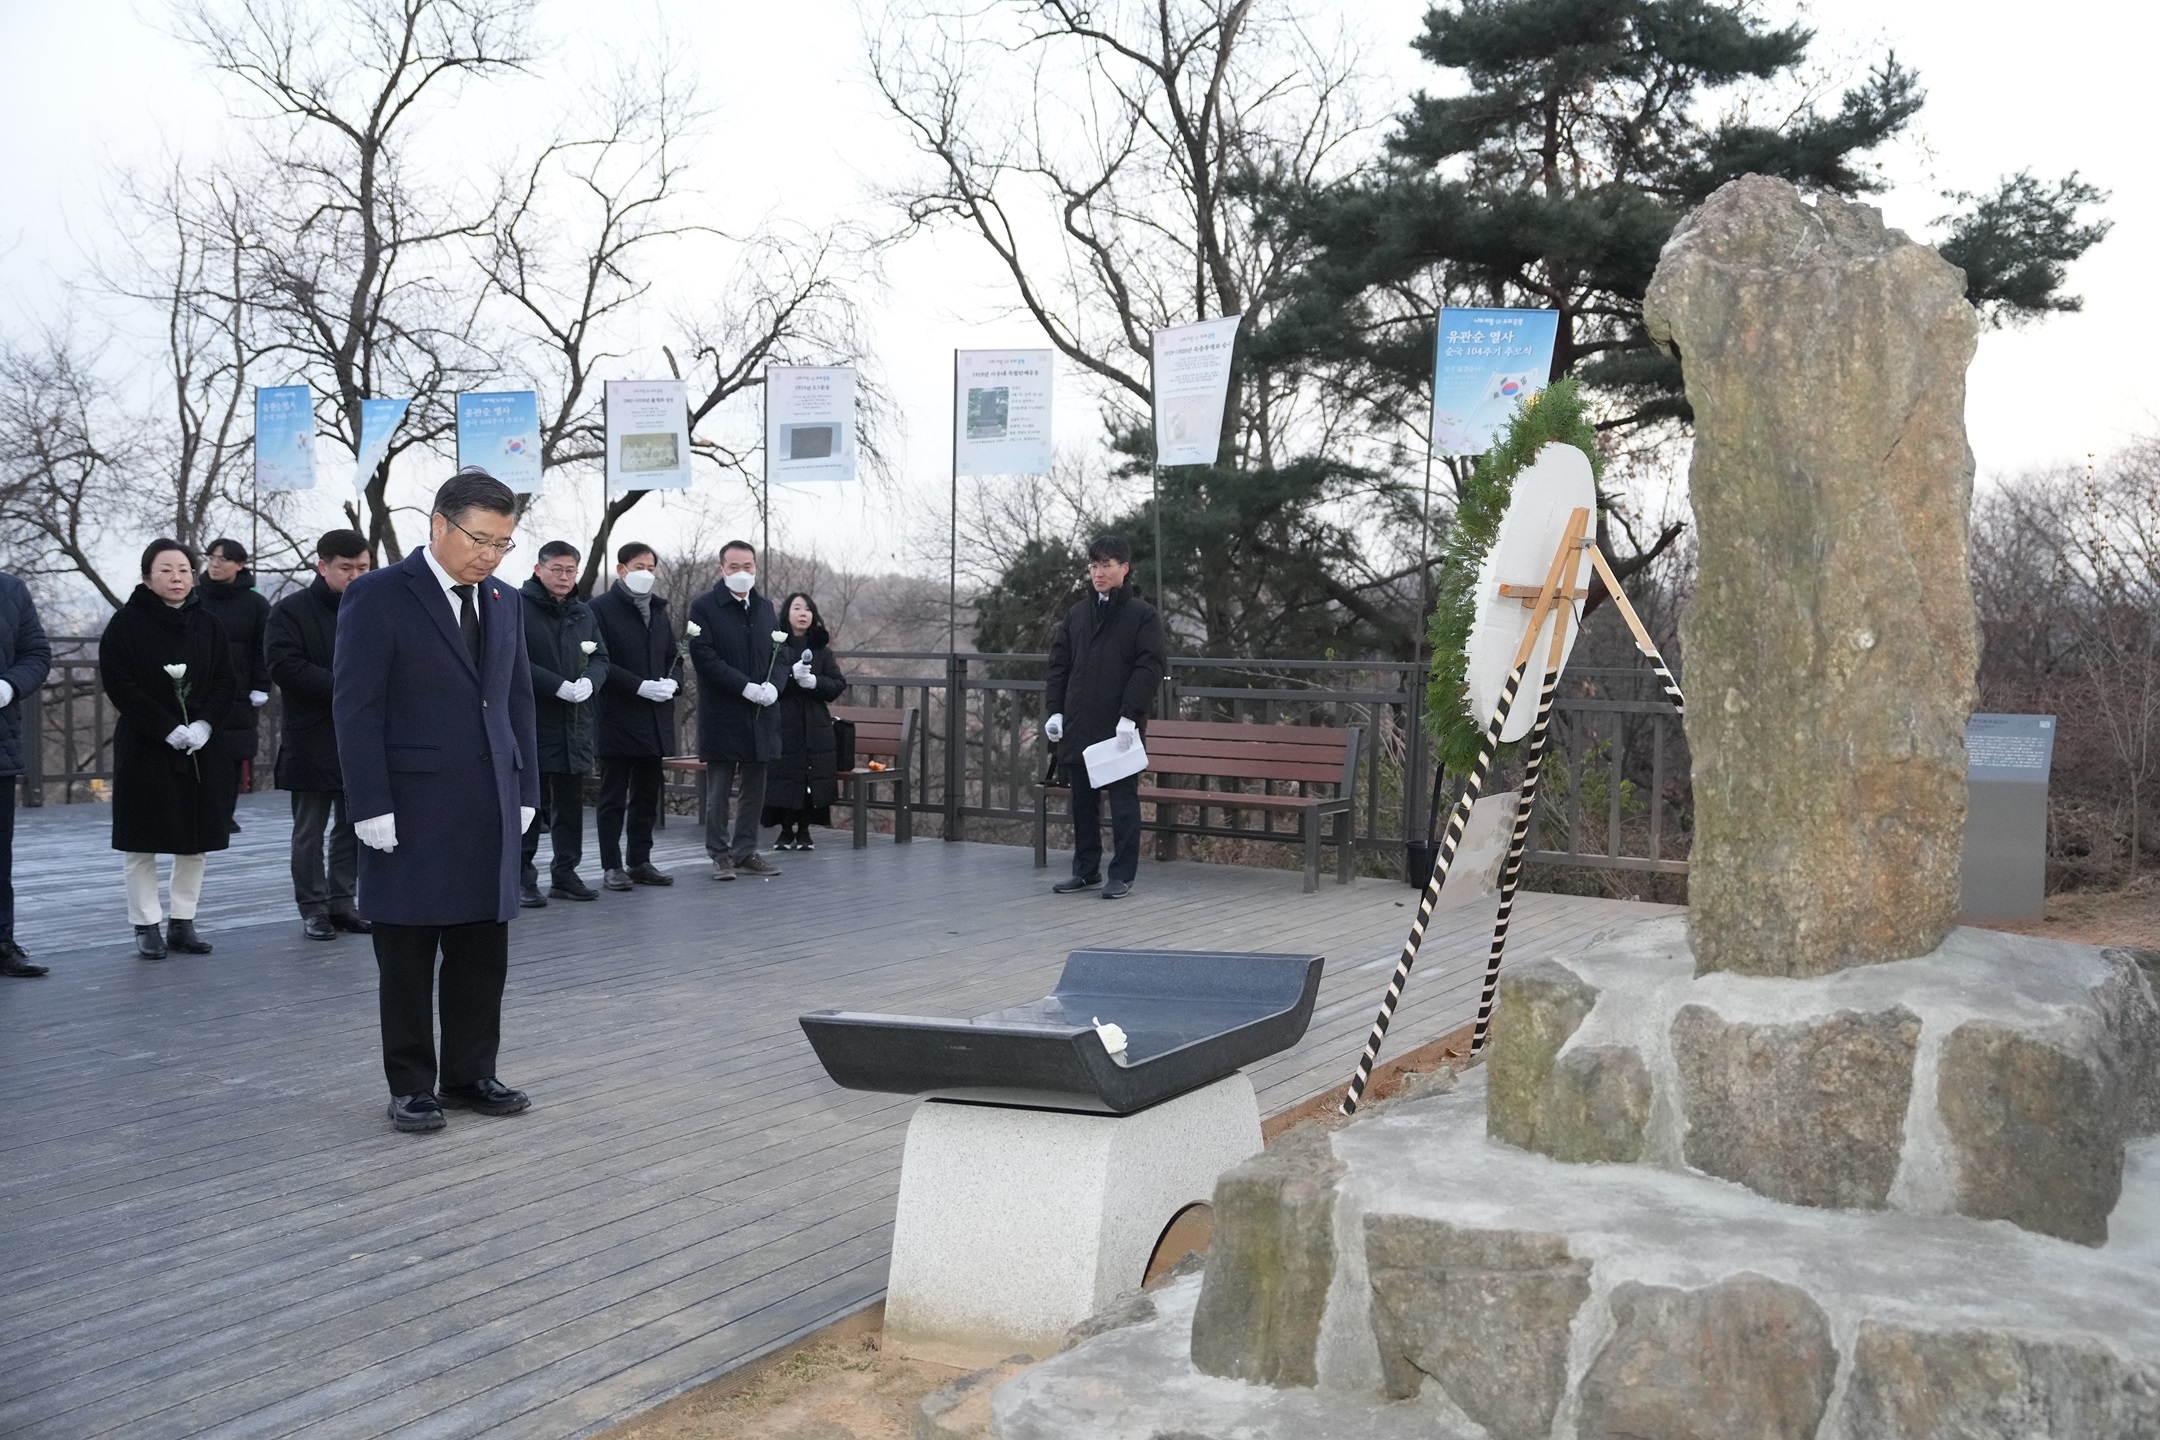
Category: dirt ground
[2129,916]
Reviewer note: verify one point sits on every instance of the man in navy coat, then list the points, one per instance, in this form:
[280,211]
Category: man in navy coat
[433,698]
[732,648]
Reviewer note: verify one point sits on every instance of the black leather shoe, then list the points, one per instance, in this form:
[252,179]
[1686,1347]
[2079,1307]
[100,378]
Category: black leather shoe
[352,924]
[803,841]
[1117,890]
[647,874]
[16,963]
[412,1113]
[149,942]
[489,1097]
[180,934]
[615,880]
[530,898]
[318,927]
[1075,885]
[569,887]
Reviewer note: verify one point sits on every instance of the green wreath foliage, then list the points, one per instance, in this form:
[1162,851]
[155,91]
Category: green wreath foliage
[1554,414]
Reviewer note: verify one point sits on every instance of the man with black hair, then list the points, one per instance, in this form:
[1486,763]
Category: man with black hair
[731,644]
[1106,662]
[228,592]
[569,663]
[434,705]
[637,715]
[300,642]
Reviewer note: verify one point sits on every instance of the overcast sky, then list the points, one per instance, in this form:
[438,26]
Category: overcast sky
[92,84]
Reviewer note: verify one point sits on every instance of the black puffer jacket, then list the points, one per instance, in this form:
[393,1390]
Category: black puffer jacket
[301,641]
[1106,664]
[556,632]
[244,616]
[25,658]
[806,776]
[166,802]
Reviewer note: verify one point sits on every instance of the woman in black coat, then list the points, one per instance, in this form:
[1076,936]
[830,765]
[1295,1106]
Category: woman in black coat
[803,783]
[168,669]
[227,589]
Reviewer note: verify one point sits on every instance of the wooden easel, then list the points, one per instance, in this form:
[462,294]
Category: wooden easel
[1556,598]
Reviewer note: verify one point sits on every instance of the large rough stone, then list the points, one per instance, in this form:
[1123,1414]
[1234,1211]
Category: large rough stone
[1810,1113]
[2129,1006]
[1538,1006]
[1484,1314]
[1831,641]
[2030,1125]
[1745,1359]
[1995,1385]
[1269,1263]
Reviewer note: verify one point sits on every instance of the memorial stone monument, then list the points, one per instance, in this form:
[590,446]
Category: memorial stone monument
[1810,1163]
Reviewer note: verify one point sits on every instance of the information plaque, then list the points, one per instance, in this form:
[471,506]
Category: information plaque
[2007,760]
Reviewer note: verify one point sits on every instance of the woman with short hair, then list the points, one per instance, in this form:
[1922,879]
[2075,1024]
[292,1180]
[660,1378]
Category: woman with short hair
[166,664]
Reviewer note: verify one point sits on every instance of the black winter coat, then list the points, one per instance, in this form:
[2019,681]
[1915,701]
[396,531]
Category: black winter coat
[638,650]
[1106,664]
[244,616]
[556,632]
[25,657]
[734,649]
[806,777]
[166,802]
[301,643]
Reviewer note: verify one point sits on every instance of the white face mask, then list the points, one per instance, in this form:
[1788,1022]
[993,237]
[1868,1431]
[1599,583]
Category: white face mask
[638,582]
[742,582]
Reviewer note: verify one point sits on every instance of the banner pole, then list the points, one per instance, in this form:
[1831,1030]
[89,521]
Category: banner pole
[952,574]
[765,448]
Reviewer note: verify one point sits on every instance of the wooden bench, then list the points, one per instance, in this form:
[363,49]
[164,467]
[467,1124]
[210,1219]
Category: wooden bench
[1304,755]
[880,733]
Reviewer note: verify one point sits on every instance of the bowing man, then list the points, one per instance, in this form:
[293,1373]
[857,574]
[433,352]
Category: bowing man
[433,697]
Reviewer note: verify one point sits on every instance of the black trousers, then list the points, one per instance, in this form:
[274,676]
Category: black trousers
[629,785]
[475,962]
[1087,826]
[562,815]
[320,889]
[7,857]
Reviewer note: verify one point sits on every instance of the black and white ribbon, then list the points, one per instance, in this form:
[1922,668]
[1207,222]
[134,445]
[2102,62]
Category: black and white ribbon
[1518,841]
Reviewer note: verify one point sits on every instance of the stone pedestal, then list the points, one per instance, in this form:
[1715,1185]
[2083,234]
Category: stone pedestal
[1014,1225]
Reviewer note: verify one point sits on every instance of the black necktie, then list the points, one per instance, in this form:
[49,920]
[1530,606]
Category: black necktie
[468,620]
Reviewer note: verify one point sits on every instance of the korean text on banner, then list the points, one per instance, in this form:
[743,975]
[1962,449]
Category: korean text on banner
[809,423]
[499,431]
[379,421]
[648,435]
[1487,362]
[1001,412]
[284,437]
[1192,384]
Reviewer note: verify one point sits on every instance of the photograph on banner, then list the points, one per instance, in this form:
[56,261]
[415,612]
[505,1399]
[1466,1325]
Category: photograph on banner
[1486,363]
[809,423]
[648,435]
[284,437]
[499,430]
[1001,412]
[1192,384]
[379,421]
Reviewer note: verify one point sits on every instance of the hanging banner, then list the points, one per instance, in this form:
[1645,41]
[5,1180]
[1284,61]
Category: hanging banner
[1191,376]
[1487,363]
[648,435]
[379,421]
[284,437]
[499,430]
[1001,412]
[809,423]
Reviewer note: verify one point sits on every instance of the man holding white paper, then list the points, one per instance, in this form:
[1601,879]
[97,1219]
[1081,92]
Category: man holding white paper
[1106,663]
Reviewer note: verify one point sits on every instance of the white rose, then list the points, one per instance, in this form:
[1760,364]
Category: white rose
[588,646]
[178,672]
[693,629]
[779,637]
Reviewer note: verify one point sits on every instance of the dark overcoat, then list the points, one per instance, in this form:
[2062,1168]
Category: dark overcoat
[243,614]
[25,659]
[733,649]
[445,747]
[555,633]
[1106,664]
[806,777]
[639,649]
[301,640]
[166,802]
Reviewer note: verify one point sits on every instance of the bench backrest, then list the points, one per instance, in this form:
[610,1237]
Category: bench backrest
[882,731]
[1308,753]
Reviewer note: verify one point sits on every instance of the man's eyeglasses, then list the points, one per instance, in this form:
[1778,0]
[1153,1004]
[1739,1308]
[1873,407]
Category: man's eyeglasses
[498,547]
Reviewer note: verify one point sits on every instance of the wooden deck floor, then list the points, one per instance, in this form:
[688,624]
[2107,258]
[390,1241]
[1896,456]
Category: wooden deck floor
[208,1228]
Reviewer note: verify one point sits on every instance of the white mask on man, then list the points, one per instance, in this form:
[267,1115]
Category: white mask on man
[638,582]
[742,582]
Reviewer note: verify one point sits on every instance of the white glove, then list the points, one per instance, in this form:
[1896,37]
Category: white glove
[567,691]
[584,689]
[1054,727]
[257,698]
[657,691]
[1127,733]
[7,694]
[180,738]
[769,692]
[198,735]
[804,677]
[761,693]
[525,818]
[377,832]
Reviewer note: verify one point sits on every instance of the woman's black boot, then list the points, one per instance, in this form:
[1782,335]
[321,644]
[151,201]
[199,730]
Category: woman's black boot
[149,942]
[182,937]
